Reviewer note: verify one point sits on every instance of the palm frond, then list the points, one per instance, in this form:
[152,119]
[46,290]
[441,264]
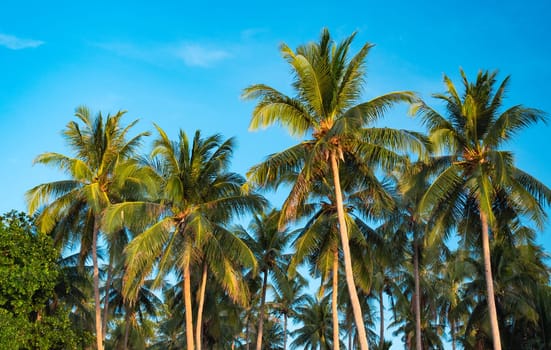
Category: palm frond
[439,191]
[371,111]
[510,122]
[278,168]
[134,215]
[275,107]
[142,253]
[41,194]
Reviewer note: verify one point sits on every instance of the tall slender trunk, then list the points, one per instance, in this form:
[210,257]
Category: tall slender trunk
[248,322]
[261,317]
[106,301]
[489,282]
[452,326]
[417,297]
[189,309]
[381,317]
[356,307]
[202,290]
[99,336]
[285,331]
[126,329]
[334,300]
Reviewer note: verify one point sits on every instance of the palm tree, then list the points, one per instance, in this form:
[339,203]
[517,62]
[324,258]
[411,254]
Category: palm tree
[453,305]
[388,257]
[318,241]
[415,295]
[517,268]
[183,223]
[225,255]
[288,296]
[478,169]
[97,172]
[315,332]
[328,85]
[268,244]
[75,289]
[170,334]
[136,315]
[413,183]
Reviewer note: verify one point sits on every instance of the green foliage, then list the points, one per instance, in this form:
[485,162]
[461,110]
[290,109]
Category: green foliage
[29,273]
[167,215]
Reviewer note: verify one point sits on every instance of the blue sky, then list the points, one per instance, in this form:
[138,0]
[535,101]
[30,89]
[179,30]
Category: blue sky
[183,65]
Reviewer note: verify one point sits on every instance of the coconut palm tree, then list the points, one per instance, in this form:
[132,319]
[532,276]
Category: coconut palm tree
[134,316]
[268,244]
[75,290]
[98,172]
[318,241]
[470,139]
[518,269]
[387,259]
[326,108]
[183,223]
[315,331]
[288,296]
[452,301]
[225,255]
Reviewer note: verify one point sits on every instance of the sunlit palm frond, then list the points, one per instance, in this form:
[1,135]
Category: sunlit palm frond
[439,191]
[510,122]
[276,168]
[41,194]
[371,111]
[143,252]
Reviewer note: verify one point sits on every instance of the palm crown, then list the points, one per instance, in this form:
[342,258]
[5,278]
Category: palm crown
[473,135]
[328,86]
[477,176]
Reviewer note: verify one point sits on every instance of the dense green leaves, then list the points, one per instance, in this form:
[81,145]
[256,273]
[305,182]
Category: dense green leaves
[29,275]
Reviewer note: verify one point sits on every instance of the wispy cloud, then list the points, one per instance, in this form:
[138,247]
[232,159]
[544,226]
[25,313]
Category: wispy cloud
[192,54]
[14,43]
[129,50]
[252,33]
[196,55]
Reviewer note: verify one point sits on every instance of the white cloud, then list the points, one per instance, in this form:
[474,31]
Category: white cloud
[130,50]
[15,43]
[192,54]
[252,33]
[196,55]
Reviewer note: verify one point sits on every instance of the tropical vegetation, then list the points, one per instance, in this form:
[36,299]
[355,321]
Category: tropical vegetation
[385,237]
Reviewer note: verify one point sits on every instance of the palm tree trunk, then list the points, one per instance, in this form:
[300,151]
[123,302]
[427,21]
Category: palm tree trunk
[417,296]
[356,307]
[189,309]
[126,329]
[284,331]
[106,302]
[381,317]
[261,317]
[247,327]
[202,290]
[489,282]
[334,300]
[99,337]
[452,326]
